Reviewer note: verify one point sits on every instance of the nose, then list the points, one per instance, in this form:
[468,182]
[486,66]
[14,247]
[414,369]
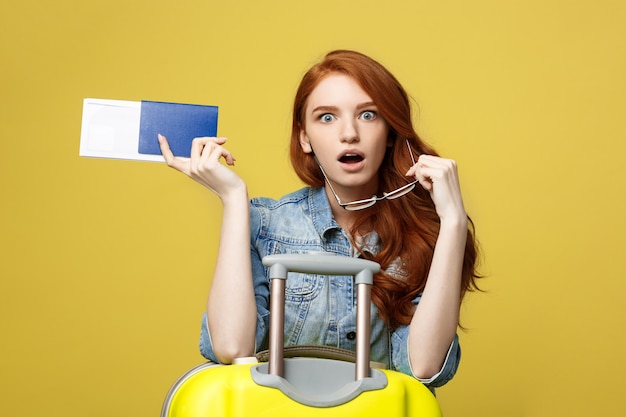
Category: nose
[349,132]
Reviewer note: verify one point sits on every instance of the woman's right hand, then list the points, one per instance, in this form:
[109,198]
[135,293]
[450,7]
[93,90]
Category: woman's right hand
[204,165]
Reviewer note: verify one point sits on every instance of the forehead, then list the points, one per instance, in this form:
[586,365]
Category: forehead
[337,90]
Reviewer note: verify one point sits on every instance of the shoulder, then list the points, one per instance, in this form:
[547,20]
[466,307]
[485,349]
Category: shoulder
[269,214]
[296,197]
[287,222]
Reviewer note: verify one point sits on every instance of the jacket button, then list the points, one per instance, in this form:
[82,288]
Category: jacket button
[351,335]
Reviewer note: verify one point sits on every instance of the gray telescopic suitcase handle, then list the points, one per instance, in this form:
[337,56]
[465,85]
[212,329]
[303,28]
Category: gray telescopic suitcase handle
[325,264]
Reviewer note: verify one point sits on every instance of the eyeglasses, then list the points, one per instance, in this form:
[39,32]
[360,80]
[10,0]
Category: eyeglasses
[369,202]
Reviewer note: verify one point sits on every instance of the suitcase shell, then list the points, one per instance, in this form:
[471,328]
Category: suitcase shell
[308,386]
[228,390]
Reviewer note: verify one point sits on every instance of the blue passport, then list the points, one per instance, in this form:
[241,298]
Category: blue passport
[179,123]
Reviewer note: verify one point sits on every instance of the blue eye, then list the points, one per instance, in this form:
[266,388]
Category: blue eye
[327,118]
[368,115]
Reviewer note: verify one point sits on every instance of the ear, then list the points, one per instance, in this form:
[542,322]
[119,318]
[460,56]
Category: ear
[305,143]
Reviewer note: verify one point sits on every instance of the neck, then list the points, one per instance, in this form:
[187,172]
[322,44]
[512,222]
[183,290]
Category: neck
[345,218]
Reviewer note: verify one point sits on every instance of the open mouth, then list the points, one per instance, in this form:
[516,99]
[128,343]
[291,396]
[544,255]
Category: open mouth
[351,158]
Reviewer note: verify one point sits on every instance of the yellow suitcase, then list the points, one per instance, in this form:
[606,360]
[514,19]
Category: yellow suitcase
[302,386]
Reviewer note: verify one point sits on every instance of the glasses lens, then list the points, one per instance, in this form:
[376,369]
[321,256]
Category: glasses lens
[400,191]
[359,205]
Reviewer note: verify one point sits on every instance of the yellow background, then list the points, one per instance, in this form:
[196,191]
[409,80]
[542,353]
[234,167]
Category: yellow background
[105,265]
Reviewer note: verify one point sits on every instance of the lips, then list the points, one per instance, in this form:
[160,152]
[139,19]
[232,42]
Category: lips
[351,160]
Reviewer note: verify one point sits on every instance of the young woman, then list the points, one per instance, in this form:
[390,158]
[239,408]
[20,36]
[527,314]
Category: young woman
[375,190]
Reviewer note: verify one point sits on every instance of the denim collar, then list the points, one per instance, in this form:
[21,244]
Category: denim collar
[324,222]
[321,213]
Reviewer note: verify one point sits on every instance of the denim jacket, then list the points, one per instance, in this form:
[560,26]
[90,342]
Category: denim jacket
[319,310]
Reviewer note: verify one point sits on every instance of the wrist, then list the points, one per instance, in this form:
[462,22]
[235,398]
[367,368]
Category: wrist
[454,223]
[235,194]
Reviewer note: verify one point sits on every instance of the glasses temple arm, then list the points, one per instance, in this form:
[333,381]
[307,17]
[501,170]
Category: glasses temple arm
[410,151]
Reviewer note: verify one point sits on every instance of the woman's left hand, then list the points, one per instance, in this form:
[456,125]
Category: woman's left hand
[439,176]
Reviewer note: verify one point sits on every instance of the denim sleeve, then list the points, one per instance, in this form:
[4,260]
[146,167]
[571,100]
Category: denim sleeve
[401,359]
[261,292]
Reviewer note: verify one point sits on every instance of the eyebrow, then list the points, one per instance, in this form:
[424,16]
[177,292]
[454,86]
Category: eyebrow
[334,108]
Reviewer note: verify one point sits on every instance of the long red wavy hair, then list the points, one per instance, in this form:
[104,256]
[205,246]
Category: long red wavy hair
[411,236]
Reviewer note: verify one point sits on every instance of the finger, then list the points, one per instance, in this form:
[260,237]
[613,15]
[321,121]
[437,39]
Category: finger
[215,139]
[165,148]
[422,178]
[213,150]
[437,162]
[418,171]
[211,157]
[228,157]
[422,160]
[180,164]
[201,148]
[425,181]
[429,170]
[199,143]
[197,146]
